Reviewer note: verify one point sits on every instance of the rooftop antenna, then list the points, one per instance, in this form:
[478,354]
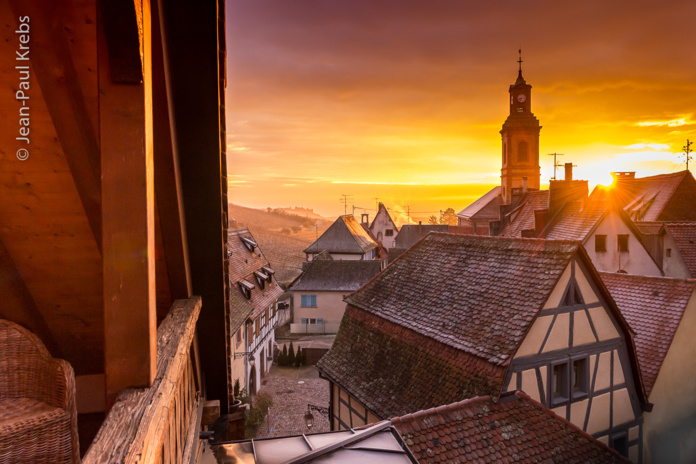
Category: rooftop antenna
[519,61]
[376,203]
[687,152]
[344,200]
[555,164]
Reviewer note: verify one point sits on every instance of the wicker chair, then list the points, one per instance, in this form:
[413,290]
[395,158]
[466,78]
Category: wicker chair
[38,417]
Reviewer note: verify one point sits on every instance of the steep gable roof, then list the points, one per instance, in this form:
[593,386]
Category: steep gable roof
[522,217]
[576,220]
[245,260]
[497,285]
[345,235]
[393,370]
[514,429]
[487,207]
[684,236]
[653,308]
[337,276]
[648,198]
[382,210]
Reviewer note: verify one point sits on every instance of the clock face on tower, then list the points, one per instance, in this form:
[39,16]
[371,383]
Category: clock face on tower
[521,98]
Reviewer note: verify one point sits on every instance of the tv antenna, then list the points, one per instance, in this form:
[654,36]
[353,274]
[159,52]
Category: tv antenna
[555,164]
[344,200]
[687,152]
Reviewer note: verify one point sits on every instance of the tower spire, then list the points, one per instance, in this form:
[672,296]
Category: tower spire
[520,79]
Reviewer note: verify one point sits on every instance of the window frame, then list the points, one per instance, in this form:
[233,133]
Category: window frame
[600,246]
[616,437]
[312,301]
[584,389]
[389,233]
[564,398]
[619,239]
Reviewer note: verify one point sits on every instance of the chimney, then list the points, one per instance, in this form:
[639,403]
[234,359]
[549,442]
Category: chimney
[565,191]
[569,171]
[524,185]
[626,175]
[540,216]
[365,219]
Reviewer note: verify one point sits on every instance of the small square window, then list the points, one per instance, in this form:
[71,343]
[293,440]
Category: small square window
[309,301]
[304,320]
[668,252]
[619,443]
[623,243]
[389,232]
[600,243]
[559,384]
[320,321]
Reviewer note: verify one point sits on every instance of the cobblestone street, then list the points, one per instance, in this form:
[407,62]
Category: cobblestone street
[292,389]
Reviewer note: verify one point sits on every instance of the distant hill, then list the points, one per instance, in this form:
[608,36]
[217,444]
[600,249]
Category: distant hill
[281,235]
[303,212]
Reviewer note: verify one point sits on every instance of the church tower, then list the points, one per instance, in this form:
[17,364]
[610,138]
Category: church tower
[520,136]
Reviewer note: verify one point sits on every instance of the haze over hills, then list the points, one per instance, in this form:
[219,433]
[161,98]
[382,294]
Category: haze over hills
[282,234]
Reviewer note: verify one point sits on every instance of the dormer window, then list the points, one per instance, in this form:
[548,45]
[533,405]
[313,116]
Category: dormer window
[261,278]
[249,243]
[269,273]
[246,287]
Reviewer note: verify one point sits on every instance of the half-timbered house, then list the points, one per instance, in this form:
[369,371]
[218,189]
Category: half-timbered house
[662,313]
[383,228]
[461,316]
[253,310]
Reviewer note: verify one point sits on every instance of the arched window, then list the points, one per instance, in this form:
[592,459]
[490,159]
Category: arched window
[523,152]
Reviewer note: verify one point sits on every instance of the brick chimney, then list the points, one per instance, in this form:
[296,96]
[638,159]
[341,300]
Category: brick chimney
[564,191]
[365,220]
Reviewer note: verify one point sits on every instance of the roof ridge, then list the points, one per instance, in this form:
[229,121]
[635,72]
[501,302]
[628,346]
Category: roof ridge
[442,409]
[647,277]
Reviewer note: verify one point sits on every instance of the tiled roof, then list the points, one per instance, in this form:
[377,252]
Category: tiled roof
[411,233]
[522,217]
[684,235]
[653,308]
[497,285]
[337,276]
[345,235]
[515,429]
[394,253]
[649,228]
[645,198]
[393,370]
[575,220]
[486,207]
[243,263]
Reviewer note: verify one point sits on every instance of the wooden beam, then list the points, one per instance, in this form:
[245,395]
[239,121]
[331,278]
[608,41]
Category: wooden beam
[192,42]
[18,305]
[123,40]
[55,72]
[125,113]
[170,202]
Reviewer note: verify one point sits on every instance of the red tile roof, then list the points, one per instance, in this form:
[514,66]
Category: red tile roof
[522,217]
[243,263]
[645,198]
[345,235]
[575,220]
[336,275]
[515,429]
[497,285]
[393,370]
[684,235]
[653,308]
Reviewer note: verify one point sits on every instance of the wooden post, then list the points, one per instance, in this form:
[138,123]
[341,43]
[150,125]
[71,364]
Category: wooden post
[125,115]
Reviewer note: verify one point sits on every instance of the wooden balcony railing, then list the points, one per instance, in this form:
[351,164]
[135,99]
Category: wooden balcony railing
[159,424]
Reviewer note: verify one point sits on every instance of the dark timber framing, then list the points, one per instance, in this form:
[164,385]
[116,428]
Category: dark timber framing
[568,355]
[194,68]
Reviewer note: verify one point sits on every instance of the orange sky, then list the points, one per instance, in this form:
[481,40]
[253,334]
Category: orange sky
[403,99]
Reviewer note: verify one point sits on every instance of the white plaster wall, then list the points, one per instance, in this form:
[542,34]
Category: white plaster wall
[670,429]
[673,266]
[380,225]
[330,306]
[635,261]
[238,366]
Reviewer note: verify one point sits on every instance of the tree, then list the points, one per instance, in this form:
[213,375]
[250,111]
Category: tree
[298,357]
[432,220]
[291,355]
[449,217]
[283,358]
